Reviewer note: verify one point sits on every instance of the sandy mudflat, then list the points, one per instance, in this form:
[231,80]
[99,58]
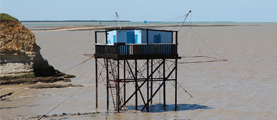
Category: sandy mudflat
[244,87]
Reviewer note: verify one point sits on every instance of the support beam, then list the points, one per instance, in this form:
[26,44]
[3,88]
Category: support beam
[118,88]
[136,84]
[96,73]
[95,37]
[176,65]
[164,79]
[96,83]
[176,41]
[151,79]
[147,68]
[107,73]
[158,89]
[141,84]
[106,37]
[124,79]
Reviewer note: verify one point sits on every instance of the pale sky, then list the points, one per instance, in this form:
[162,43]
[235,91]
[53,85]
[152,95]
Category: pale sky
[141,10]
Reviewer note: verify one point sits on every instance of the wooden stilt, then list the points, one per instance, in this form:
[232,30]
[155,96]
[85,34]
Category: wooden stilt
[96,83]
[136,84]
[107,77]
[118,88]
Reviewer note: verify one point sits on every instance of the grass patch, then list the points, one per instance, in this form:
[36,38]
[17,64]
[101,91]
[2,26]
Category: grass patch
[12,77]
[59,73]
[43,86]
[4,16]
[32,75]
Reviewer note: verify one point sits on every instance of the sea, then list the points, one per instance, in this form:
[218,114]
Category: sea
[243,87]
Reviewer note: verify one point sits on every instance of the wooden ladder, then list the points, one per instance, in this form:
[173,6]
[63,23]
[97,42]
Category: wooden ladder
[113,86]
[113,90]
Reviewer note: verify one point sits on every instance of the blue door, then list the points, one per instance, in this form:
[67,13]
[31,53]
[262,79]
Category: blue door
[157,38]
[130,37]
[114,39]
[136,39]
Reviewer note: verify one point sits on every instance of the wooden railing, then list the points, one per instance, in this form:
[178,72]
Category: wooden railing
[136,49]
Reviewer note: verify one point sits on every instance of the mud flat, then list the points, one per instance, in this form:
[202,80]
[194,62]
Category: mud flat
[244,87]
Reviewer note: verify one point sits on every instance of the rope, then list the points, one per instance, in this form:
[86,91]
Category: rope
[63,101]
[196,43]
[70,95]
[182,88]
[79,64]
[206,43]
[194,32]
[178,20]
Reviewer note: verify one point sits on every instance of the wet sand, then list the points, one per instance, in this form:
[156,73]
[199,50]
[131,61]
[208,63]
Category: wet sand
[244,87]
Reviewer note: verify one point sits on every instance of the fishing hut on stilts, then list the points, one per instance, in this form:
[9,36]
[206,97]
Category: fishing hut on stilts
[136,55]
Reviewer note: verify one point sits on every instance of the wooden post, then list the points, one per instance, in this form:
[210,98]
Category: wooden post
[124,75]
[106,37]
[176,84]
[176,64]
[147,36]
[176,41]
[136,83]
[107,72]
[96,82]
[147,68]
[96,73]
[95,36]
[164,90]
[151,79]
[118,88]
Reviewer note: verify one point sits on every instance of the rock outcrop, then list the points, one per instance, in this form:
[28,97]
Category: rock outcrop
[19,51]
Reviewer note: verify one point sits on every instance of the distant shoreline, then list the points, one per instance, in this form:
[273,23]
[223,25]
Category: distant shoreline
[124,21]
[137,21]
[77,26]
[73,21]
[97,27]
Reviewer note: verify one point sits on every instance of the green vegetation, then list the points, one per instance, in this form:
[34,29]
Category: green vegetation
[32,75]
[4,16]
[12,77]
[69,76]
[59,73]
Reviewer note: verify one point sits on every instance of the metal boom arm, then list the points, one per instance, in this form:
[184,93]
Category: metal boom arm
[184,20]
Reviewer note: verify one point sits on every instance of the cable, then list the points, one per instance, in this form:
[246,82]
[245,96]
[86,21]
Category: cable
[206,44]
[79,64]
[182,88]
[63,101]
[196,43]
[70,95]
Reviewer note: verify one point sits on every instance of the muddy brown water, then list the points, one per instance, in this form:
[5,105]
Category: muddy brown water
[244,87]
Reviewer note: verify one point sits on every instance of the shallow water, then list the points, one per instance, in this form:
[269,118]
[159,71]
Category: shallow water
[244,87]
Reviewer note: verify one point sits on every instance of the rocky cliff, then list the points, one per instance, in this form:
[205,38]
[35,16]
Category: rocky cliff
[19,51]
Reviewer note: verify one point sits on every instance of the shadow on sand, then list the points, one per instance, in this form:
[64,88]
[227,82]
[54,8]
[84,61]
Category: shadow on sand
[169,107]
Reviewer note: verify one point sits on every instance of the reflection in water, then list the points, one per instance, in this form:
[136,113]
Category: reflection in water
[169,107]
